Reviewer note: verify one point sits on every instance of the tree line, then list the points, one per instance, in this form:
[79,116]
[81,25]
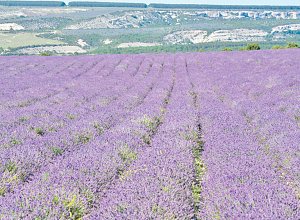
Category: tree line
[142,5]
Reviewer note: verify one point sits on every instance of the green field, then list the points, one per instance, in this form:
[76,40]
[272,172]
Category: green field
[15,40]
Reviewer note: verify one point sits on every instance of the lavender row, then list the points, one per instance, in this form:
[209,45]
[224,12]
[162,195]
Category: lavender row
[37,81]
[268,101]
[90,168]
[241,181]
[71,137]
[79,97]
[158,184]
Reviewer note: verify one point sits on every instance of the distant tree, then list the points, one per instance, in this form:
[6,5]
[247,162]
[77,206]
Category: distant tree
[45,53]
[1,50]
[292,45]
[277,47]
[253,47]
[227,49]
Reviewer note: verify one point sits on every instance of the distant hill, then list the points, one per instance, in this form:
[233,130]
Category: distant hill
[33,3]
[107,4]
[196,6]
[143,5]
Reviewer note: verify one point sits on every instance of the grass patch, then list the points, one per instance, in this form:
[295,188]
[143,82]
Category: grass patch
[75,208]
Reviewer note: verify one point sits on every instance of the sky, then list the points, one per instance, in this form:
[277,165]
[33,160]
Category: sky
[217,2]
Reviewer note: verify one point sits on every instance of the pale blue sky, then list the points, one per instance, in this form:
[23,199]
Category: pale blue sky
[218,2]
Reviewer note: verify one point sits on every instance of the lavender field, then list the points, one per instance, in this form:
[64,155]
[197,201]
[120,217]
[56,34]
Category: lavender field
[165,136]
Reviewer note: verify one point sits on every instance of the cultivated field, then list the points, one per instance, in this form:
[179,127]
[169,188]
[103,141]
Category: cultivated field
[8,40]
[166,136]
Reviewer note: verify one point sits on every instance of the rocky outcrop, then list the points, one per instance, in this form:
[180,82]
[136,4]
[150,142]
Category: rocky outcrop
[141,18]
[237,35]
[200,36]
[286,28]
[196,36]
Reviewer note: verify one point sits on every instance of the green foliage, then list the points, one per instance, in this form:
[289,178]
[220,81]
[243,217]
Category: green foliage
[1,50]
[39,131]
[45,176]
[227,49]
[277,47]
[253,46]
[99,128]
[75,208]
[2,190]
[292,45]
[71,116]
[195,136]
[191,136]
[55,200]
[121,208]
[23,119]
[11,167]
[14,141]
[157,209]
[194,96]
[24,104]
[146,138]
[52,129]
[89,196]
[83,138]
[45,53]
[151,123]
[196,191]
[57,151]
[127,155]
[166,189]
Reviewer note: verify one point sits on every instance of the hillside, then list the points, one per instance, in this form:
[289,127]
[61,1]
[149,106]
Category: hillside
[160,136]
[115,30]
